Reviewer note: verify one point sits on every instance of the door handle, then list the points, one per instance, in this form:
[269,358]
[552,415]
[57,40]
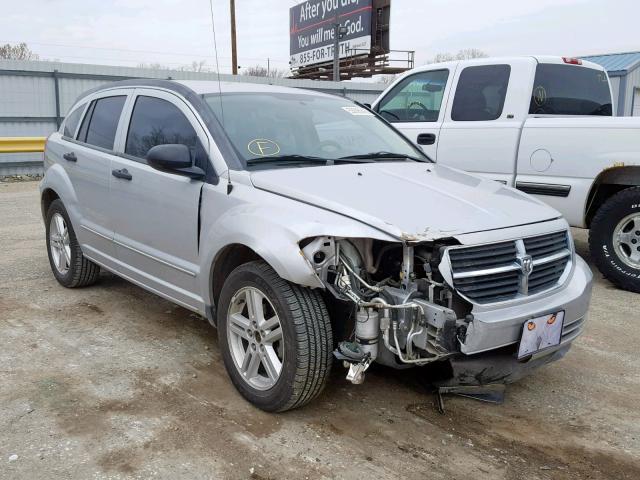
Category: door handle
[70,157]
[124,174]
[426,139]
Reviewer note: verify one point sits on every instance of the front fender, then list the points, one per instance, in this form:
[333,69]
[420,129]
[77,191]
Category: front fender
[277,246]
[272,226]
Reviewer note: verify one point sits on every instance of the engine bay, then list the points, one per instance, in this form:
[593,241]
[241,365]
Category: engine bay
[404,314]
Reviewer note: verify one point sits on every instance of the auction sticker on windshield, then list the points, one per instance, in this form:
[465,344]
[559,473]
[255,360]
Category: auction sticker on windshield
[540,333]
[355,110]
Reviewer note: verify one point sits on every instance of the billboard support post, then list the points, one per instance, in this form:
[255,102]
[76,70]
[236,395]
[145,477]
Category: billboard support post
[336,52]
[338,33]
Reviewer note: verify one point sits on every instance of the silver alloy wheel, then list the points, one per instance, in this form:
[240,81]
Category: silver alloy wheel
[255,338]
[59,243]
[626,240]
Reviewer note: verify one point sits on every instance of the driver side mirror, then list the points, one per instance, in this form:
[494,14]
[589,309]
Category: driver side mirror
[174,158]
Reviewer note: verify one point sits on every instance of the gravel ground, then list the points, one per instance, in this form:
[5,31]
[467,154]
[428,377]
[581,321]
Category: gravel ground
[113,382]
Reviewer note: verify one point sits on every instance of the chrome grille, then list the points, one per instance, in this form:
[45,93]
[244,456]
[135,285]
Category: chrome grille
[483,257]
[546,244]
[508,270]
[546,275]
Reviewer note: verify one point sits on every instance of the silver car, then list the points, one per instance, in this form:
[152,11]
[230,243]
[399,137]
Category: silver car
[304,227]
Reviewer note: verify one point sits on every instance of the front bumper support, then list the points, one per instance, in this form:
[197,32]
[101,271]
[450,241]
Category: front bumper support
[495,368]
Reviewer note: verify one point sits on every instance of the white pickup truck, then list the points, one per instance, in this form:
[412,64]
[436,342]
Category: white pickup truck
[543,125]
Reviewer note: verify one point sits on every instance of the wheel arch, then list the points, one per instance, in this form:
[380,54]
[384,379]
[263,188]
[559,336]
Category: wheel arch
[228,259]
[47,197]
[608,183]
[289,264]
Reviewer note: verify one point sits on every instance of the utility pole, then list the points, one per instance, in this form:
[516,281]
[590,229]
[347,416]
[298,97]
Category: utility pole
[234,51]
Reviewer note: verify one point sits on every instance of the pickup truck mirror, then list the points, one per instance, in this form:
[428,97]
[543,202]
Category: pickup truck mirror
[173,158]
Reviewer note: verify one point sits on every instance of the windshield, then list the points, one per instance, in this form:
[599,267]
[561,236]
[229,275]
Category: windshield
[570,90]
[292,126]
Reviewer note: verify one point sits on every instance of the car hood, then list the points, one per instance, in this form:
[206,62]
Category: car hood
[411,201]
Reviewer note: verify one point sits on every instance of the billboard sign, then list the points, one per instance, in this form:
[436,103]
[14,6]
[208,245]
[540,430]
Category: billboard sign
[311,27]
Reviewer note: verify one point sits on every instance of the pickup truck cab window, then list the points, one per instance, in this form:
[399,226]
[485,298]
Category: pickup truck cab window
[72,121]
[416,99]
[155,121]
[481,93]
[101,122]
[570,90]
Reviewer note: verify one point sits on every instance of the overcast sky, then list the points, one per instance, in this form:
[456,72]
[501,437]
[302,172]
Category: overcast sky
[177,32]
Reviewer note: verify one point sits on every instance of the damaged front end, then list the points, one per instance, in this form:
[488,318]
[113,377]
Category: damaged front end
[403,312]
[416,303]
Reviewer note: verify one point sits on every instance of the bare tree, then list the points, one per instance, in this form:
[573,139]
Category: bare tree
[153,66]
[468,53]
[260,71]
[464,54]
[196,66]
[17,52]
[386,79]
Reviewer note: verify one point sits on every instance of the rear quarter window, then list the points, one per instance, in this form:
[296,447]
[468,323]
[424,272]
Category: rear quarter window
[72,121]
[570,90]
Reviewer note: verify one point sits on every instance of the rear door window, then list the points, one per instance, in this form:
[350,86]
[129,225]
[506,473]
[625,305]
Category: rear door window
[155,121]
[570,90]
[481,93]
[72,121]
[416,98]
[101,122]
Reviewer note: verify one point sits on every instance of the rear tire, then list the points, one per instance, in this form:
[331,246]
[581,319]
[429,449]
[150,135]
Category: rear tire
[69,266]
[614,239]
[291,323]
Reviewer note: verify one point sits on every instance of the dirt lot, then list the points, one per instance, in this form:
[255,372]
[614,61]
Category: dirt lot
[113,382]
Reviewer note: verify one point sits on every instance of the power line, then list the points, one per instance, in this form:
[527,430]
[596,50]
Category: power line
[128,50]
[119,59]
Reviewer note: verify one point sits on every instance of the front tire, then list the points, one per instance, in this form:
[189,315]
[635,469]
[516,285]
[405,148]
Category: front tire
[69,266]
[275,338]
[614,239]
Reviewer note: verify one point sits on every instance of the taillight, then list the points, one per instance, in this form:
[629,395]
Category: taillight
[572,61]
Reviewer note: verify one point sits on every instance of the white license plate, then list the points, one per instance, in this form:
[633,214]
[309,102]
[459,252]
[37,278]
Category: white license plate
[540,333]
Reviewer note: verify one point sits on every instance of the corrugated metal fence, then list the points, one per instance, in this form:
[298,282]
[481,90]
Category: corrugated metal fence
[35,96]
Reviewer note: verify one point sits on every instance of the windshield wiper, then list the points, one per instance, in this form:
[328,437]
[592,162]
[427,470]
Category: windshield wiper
[295,158]
[385,156]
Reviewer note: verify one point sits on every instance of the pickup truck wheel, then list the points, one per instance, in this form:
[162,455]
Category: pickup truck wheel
[275,338]
[614,239]
[69,266]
